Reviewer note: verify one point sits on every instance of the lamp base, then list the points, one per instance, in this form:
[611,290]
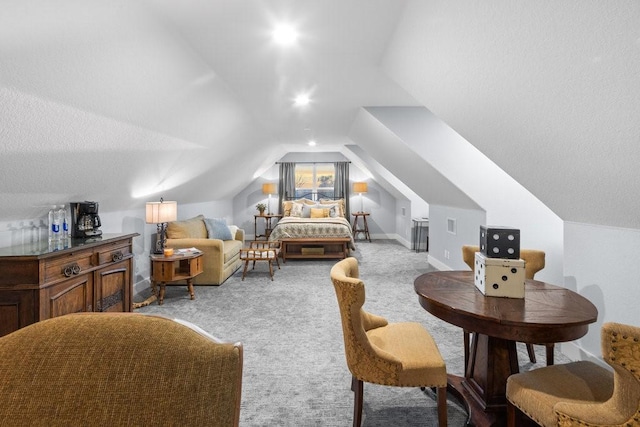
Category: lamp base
[160,239]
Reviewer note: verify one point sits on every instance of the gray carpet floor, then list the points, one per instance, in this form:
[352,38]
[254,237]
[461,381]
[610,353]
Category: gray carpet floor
[295,372]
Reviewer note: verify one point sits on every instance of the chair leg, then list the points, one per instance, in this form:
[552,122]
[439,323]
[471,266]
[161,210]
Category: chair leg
[550,358]
[356,386]
[511,414]
[532,354]
[442,406]
[244,272]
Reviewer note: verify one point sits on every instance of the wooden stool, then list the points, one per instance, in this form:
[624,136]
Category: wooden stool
[355,230]
[260,251]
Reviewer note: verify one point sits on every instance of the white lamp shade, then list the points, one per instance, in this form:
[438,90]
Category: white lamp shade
[161,212]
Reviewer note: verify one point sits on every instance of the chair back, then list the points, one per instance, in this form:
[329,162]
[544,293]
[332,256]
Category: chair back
[534,260]
[363,358]
[118,369]
[621,349]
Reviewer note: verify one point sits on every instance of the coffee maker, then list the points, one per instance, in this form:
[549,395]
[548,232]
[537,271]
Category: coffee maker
[85,221]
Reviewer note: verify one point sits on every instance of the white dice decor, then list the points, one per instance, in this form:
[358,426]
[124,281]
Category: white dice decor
[499,277]
[498,269]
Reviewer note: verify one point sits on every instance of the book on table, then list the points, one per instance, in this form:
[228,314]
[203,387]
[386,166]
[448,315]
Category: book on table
[188,251]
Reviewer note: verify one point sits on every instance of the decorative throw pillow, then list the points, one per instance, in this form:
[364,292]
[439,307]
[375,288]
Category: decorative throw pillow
[338,202]
[217,229]
[296,209]
[306,210]
[286,207]
[319,213]
[332,210]
[305,201]
[193,228]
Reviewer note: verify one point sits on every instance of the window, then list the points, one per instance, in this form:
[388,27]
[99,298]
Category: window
[315,180]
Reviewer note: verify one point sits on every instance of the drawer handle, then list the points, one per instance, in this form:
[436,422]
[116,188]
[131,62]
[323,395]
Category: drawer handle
[117,256]
[70,270]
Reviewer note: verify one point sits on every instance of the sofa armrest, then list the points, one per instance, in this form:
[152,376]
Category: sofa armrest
[239,235]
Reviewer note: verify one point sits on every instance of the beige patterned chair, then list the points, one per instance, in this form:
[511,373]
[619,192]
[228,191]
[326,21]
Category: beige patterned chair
[396,354]
[534,261]
[583,393]
[118,369]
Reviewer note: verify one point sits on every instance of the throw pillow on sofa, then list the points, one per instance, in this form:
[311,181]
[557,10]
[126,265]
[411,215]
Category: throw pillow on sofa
[217,229]
[193,228]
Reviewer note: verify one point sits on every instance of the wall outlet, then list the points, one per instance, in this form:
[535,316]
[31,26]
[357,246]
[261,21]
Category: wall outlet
[446,254]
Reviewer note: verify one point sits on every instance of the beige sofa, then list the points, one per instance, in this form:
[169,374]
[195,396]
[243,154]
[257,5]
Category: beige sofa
[221,257]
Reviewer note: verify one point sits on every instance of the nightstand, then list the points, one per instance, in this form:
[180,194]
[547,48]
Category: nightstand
[268,225]
[365,226]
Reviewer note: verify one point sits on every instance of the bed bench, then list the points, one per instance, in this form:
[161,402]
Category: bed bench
[328,247]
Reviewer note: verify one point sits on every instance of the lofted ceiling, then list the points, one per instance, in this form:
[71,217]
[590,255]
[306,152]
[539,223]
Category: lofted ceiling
[123,101]
[100,95]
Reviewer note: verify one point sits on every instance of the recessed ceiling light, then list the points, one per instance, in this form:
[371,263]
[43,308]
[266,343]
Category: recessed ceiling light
[285,35]
[302,99]
[311,143]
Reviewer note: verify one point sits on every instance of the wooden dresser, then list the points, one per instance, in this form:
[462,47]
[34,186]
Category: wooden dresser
[37,283]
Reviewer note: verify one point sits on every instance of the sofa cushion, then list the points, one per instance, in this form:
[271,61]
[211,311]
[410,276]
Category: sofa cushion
[217,229]
[192,228]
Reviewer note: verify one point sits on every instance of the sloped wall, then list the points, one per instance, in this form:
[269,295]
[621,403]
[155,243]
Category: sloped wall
[548,90]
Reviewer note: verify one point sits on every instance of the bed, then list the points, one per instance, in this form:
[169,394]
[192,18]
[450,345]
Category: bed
[313,229]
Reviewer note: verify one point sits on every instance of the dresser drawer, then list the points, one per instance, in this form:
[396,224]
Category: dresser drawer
[68,265]
[113,253]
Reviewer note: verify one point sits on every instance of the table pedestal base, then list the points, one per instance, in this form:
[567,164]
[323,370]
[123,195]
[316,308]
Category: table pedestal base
[477,416]
[482,390]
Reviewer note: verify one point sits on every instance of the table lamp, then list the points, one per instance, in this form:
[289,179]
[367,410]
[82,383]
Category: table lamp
[160,213]
[269,188]
[360,187]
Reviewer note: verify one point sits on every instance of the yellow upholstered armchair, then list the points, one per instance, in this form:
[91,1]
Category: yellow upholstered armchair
[583,393]
[397,354]
[534,261]
[118,369]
